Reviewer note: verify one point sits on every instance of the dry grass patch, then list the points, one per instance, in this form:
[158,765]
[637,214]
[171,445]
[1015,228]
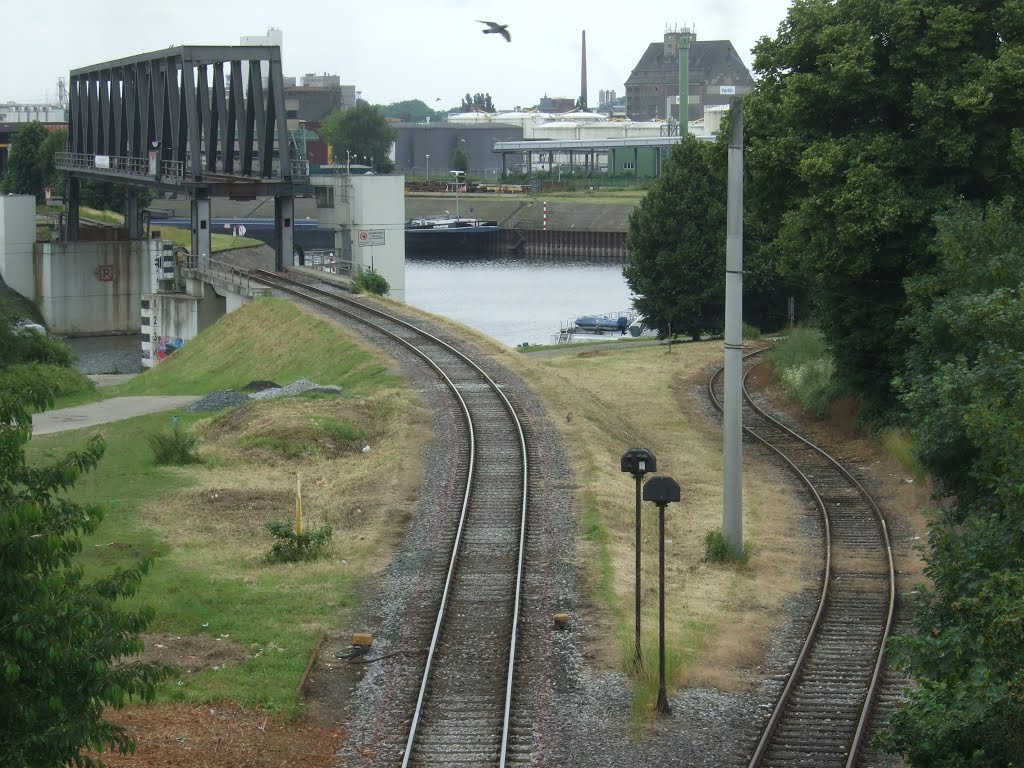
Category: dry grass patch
[250,478]
[611,399]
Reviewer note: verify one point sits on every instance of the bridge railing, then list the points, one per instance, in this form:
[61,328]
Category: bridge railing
[225,271]
[174,170]
[132,166]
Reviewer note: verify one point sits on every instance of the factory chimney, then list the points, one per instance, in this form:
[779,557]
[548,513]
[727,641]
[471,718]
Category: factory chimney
[583,77]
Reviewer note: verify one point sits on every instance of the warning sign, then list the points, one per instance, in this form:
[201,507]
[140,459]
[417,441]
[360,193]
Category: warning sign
[370,236]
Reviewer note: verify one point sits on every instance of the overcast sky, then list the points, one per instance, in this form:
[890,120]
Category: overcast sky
[391,50]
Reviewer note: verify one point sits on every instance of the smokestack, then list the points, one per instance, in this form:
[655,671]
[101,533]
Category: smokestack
[583,77]
[684,82]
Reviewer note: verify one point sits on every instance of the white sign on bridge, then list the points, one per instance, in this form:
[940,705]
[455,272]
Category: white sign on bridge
[370,236]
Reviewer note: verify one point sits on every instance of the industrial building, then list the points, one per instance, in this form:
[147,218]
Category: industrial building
[716,74]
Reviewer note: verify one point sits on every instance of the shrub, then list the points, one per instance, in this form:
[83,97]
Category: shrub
[370,281]
[174,447]
[291,547]
[717,549]
[751,332]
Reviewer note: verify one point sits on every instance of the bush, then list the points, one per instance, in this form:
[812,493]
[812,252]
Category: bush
[369,281]
[717,549]
[174,447]
[291,547]
[751,332]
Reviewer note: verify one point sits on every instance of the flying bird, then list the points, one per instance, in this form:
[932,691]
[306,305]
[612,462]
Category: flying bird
[492,27]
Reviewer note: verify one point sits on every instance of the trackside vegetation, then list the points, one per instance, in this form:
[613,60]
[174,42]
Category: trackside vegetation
[204,526]
[884,183]
[64,634]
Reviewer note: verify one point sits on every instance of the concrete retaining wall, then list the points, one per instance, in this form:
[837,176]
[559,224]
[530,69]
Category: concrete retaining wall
[17,236]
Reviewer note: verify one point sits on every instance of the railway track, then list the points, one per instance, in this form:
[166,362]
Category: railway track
[824,712]
[463,713]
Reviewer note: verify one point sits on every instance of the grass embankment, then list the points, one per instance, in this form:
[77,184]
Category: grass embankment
[183,238]
[246,627]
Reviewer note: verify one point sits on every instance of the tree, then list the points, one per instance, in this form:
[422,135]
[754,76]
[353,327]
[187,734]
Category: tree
[459,160]
[55,141]
[24,175]
[676,242]
[867,118]
[64,642]
[478,102]
[411,111]
[363,132]
[964,390]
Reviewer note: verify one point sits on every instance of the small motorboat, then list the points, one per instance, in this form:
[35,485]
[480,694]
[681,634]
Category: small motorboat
[602,324]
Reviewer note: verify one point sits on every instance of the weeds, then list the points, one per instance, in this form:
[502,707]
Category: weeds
[804,365]
[174,447]
[717,549]
[291,547]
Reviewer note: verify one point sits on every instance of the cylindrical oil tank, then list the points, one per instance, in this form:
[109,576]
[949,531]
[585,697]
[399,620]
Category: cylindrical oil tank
[558,129]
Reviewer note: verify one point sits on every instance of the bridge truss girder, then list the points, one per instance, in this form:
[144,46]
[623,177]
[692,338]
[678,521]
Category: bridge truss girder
[212,115]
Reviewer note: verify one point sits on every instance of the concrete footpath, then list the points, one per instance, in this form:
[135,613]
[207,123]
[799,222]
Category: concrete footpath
[114,409]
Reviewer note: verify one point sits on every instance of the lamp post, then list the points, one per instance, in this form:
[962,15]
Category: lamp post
[428,166]
[638,462]
[458,176]
[348,163]
[662,491]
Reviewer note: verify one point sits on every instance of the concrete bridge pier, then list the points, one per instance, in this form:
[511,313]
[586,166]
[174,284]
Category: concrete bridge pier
[201,247]
[284,231]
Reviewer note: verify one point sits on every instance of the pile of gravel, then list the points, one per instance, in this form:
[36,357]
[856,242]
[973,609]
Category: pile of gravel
[229,398]
[295,388]
[215,401]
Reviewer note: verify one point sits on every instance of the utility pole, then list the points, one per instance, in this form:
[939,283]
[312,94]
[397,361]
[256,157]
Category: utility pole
[732,491]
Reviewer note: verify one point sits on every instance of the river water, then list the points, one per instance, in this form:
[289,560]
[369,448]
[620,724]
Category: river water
[515,301]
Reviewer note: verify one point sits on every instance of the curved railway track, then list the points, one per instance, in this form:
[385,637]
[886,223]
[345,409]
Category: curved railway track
[824,710]
[463,712]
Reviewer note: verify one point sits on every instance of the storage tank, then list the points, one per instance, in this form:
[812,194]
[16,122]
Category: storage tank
[526,120]
[582,117]
[558,129]
[713,117]
[606,129]
[471,118]
[650,128]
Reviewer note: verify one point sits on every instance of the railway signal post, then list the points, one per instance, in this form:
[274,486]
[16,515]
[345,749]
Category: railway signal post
[662,491]
[638,462]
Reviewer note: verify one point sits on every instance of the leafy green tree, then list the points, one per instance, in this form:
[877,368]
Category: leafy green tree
[65,645]
[964,391]
[363,131]
[869,117]
[676,242]
[478,102]
[24,174]
[55,141]
[459,160]
[411,111]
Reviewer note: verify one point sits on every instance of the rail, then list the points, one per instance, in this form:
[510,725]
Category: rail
[331,300]
[872,681]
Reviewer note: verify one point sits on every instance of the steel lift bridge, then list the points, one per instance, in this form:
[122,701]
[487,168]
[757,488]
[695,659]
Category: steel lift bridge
[204,121]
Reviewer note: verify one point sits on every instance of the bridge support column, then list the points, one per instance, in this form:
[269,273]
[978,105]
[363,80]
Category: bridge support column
[284,232]
[72,202]
[201,246]
[132,215]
